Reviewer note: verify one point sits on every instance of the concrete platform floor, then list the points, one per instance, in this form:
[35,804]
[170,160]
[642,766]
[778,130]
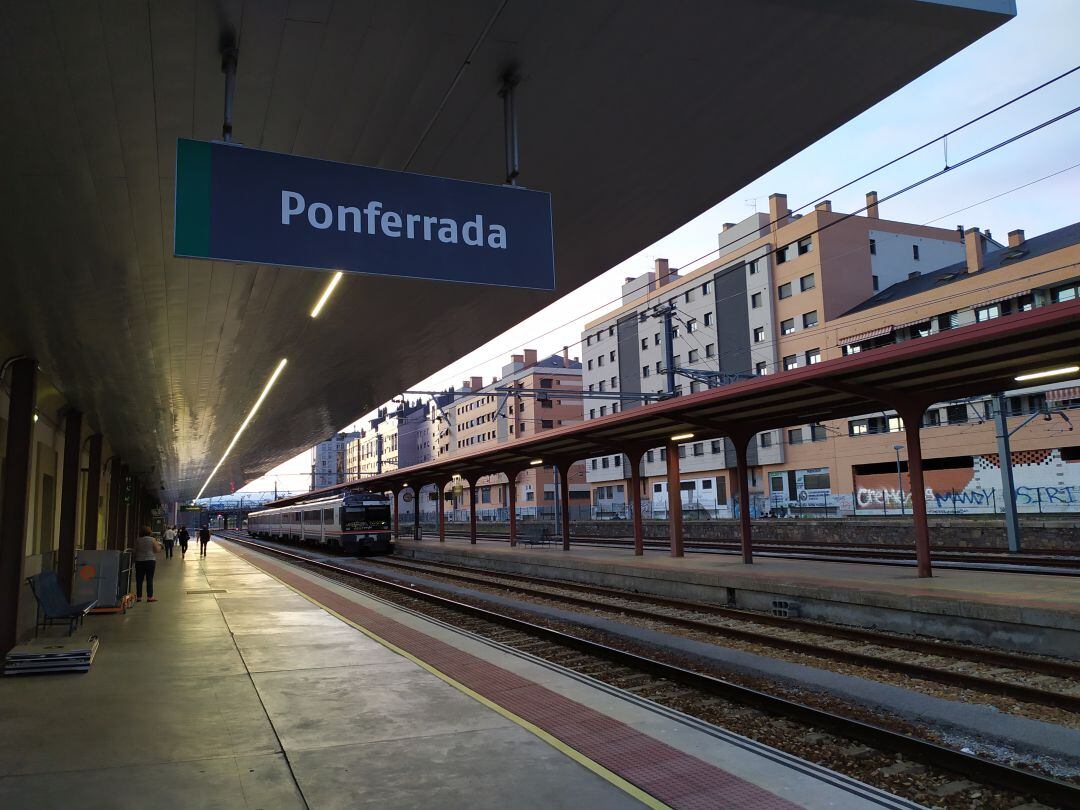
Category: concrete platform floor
[234,690]
[1045,599]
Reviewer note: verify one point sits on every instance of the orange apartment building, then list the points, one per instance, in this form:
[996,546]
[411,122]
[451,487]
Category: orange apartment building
[787,291]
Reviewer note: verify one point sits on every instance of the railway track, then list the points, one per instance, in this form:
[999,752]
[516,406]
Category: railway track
[1061,563]
[624,604]
[705,696]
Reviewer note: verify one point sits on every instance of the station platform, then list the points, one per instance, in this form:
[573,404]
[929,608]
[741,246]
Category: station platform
[1037,613]
[254,684]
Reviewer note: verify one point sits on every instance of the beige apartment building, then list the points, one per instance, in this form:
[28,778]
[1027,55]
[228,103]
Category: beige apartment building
[787,291]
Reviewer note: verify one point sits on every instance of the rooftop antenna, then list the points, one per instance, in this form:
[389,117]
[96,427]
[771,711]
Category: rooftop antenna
[229,55]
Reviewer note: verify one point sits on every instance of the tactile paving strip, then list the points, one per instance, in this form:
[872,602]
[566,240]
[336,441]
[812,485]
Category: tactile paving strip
[666,773]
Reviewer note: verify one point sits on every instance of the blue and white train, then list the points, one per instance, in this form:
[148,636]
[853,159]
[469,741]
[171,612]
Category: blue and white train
[351,522]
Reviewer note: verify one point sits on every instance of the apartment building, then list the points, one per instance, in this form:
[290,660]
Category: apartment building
[328,460]
[786,291]
[392,440]
[523,401]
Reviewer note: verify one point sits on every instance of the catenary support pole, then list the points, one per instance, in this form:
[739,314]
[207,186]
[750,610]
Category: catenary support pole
[912,429]
[742,479]
[69,500]
[93,493]
[472,510]
[440,508]
[16,495]
[397,515]
[1008,485]
[674,499]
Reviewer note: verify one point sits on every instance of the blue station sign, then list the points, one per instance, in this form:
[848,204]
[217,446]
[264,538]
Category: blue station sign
[247,205]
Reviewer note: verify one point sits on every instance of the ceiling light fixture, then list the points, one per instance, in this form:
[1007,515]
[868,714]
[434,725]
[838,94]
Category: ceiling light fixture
[1054,372]
[244,424]
[326,293]
[680,437]
[536,462]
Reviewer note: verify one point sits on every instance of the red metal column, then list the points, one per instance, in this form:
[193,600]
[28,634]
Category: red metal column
[912,429]
[633,460]
[564,497]
[674,500]
[397,522]
[416,511]
[16,495]
[511,493]
[743,475]
[472,509]
[93,494]
[69,500]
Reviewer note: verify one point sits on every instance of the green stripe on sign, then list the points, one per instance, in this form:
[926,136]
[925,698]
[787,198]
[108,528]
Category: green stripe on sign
[191,232]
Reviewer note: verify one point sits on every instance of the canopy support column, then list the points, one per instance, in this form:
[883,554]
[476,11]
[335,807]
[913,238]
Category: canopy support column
[69,500]
[563,469]
[511,497]
[912,416]
[93,494]
[742,476]
[674,493]
[633,460]
[16,494]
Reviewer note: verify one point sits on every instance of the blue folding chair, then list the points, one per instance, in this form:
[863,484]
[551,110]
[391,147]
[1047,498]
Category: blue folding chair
[53,606]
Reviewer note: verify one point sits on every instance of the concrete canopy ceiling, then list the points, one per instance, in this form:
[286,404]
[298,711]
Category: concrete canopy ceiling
[635,115]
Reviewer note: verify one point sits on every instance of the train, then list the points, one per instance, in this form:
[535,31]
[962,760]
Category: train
[350,523]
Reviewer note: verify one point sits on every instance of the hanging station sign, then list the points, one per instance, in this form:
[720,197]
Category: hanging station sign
[248,205]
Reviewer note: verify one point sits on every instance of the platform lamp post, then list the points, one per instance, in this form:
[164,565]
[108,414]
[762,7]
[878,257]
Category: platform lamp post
[899,477]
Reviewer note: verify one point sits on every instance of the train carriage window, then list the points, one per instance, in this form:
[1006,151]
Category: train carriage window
[358,517]
[328,515]
[312,515]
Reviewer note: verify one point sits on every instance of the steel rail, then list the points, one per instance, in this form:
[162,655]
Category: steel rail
[1043,788]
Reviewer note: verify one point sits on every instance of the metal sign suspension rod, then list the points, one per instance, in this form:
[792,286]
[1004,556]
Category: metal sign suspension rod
[229,54]
[509,84]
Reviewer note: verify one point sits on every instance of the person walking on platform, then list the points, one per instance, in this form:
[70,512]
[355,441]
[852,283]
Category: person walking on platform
[182,538]
[146,550]
[169,537]
[204,538]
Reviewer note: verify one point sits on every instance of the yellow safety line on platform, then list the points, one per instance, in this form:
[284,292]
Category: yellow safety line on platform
[583,760]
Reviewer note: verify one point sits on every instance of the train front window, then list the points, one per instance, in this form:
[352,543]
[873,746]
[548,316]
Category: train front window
[365,517]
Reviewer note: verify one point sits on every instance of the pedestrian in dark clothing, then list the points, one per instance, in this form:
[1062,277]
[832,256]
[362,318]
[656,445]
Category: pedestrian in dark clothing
[146,550]
[204,538]
[182,538]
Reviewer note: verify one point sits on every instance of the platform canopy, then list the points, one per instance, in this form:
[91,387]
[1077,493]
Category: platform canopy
[636,116]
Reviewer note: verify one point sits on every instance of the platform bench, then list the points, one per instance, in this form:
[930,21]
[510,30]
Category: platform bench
[534,534]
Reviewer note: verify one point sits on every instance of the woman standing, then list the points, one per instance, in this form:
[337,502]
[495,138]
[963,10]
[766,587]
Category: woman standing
[146,550]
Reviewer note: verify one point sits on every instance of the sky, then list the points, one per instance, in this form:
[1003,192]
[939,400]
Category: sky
[1037,45]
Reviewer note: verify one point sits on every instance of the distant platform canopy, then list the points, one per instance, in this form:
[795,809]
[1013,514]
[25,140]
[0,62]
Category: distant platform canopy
[634,116]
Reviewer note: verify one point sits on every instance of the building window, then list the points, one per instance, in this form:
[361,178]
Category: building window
[813,356]
[809,319]
[956,414]
[645,371]
[694,386]
[644,343]
[787,326]
[715,446]
[915,252]
[852,348]
[752,267]
[761,369]
[857,427]
[599,361]
[759,334]
[794,436]
[659,367]
[705,290]
[588,340]
[656,339]
[611,356]
[546,423]
[1068,292]
[617,461]
[691,326]
[764,440]
[600,385]
[663,454]
[817,433]
[611,331]
[873,248]
[790,362]
[806,246]
[593,463]
[699,449]
[682,451]
[987,313]
[710,349]
[708,319]
[755,301]
[784,291]
[648,455]
[590,365]
[807,282]
[692,356]
[877,283]
[675,331]
[603,410]
[614,383]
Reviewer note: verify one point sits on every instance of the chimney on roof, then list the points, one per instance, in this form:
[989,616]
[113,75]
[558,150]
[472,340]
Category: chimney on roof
[530,357]
[871,205]
[517,358]
[973,249]
[727,226]
[566,357]
[824,205]
[1016,238]
[476,383]
[778,211]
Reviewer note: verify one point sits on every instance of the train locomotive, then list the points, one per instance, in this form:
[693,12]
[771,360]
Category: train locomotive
[351,523]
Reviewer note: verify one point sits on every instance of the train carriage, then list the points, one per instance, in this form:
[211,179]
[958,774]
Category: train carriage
[352,523]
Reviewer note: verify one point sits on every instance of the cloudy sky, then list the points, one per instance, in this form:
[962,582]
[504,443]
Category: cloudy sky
[1032,184]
